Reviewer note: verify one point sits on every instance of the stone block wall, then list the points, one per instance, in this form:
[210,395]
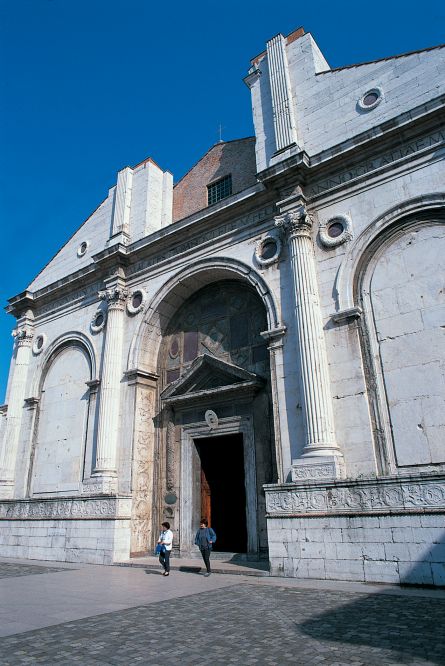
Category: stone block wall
[92,530]
[92,541]
[390,530]
[406,549]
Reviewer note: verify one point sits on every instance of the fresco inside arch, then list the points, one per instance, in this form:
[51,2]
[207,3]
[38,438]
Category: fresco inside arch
[224,320]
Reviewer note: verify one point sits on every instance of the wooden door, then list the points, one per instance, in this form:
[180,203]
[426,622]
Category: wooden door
[206,503]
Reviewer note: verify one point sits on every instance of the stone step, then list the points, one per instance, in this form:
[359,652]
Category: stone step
[194,565]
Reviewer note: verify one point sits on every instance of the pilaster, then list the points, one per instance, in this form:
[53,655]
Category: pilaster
[321,449]
[23,336]
[274,338]
[120,232]
[283,113]
[108,428]
[144,385]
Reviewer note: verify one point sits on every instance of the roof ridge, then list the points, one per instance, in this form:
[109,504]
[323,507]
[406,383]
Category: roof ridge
[370,62]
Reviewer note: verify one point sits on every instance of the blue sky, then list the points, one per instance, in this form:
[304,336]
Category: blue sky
[89,87]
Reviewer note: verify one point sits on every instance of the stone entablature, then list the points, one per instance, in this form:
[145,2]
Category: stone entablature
[370,496]
[91,508]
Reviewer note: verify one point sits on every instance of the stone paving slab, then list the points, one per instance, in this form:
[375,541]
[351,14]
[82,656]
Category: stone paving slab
[247,624]
[13,569]
[194,565]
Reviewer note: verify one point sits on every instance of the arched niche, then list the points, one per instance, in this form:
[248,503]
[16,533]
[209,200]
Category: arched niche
[59,444]
[400,287]
[145,345]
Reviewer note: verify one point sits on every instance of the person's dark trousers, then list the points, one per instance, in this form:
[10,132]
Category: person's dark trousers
[164,559]
[205,552]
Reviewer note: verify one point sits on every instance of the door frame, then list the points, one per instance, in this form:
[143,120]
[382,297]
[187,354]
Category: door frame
[227,426]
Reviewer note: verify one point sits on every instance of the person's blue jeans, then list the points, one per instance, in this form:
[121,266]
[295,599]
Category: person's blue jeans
[164,559]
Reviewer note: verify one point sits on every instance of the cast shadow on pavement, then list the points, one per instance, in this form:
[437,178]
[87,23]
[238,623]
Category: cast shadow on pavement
[411,626]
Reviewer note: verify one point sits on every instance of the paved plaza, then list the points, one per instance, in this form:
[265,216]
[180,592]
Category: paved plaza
[84,614]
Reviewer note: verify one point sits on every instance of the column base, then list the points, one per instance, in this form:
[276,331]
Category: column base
[100,485]
[318,468]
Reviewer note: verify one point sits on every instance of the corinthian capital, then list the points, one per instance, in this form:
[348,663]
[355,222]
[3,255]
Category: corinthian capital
[295,222]
[23,336]
[115,297]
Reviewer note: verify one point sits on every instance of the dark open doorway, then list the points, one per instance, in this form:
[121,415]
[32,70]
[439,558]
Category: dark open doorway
[223,494]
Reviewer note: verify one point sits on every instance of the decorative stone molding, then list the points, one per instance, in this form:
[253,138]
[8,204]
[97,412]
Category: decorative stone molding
[98,322]
[268,249]
[39,344]
[211,419]
[335,231]
[370,99]
[32,402]
[136,301]
[67,509]
[104,487]
[115,297]
[142,472]
[314,470]
[384,495]
[23,336]
[344,316]
[171,457]
[82,249]
[295,222]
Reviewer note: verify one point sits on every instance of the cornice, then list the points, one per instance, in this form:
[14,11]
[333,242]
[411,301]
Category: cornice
[172,236]
[302,168]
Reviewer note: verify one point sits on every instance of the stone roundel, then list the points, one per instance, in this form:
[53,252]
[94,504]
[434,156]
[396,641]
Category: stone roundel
[136,301]
[335,231]
[370,99]
[98,321]
[39,344]
[268,249]
[82,249]
[211,419]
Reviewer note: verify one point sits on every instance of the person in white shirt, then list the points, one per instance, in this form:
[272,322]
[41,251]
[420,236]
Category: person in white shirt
[165,540]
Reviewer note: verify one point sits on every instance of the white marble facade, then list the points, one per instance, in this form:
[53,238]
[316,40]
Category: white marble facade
[302,314]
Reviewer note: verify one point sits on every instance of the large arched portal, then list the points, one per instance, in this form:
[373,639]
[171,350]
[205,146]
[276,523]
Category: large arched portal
[215,421]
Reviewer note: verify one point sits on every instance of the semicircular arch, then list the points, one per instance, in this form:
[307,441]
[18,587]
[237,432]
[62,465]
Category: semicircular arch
[361,251]
[174,293]
[61,342]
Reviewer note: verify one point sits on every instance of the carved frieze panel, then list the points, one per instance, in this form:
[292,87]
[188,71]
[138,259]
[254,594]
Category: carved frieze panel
[66,509]
[142,471]
[380,496]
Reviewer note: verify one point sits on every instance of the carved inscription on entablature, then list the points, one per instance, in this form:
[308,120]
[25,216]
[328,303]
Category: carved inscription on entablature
[238,224]
[376,163]
[71,299]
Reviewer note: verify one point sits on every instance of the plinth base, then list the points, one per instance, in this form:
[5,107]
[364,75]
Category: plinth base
[318,468]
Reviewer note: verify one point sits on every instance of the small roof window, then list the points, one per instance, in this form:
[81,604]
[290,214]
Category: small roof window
[219,190]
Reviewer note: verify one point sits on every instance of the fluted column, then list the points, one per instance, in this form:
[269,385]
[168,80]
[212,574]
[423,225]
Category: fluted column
[321,455]
[107,435]
[8,447]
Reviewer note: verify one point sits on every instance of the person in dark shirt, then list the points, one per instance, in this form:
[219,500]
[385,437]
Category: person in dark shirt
[205,538]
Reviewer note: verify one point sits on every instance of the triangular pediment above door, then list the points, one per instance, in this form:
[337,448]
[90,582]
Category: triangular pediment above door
[207,376]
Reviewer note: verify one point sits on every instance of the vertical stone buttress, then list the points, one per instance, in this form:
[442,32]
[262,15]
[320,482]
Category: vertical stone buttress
[8,449]
[120,229]
[321,455]
[283,113]
[108,428]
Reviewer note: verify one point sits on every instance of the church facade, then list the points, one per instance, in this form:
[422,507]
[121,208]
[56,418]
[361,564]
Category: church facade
[261,343]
